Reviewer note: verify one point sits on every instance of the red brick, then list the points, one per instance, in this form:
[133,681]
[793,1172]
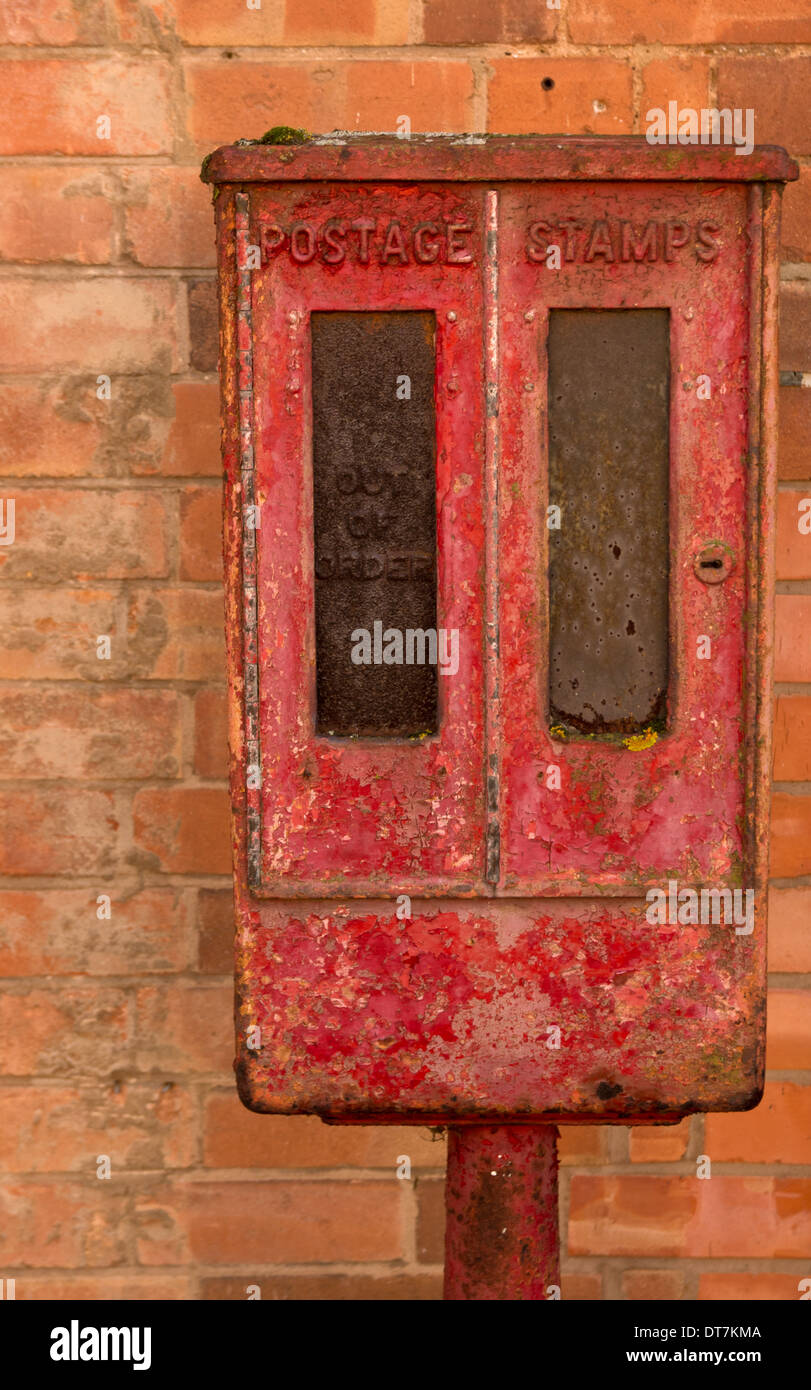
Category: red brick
[788,1038]
[790,929]
[653,1285]
[352,22]
[343,1288]
[777,1131]
[581,1288]
[97,735]
[229,101]
[792,648]
[39,438]
[187,1029]
[63,429]
[142,22]
[176,634]
[184,830]
[591,96]
[50,214]
[203,325]
[659,1143]
[104,1287]
[201,534]
[58,931]
[305,22]
[685,1216]
[97,325]
[487,21]
[796,222]
[688,21]
[794,545]
[50,634]
[68,1224]
[64,1032]
[795,327]
[790,835]
[206,23]
[83,534]
[270,1223]
[138,1125]
[56,103]
[52,106]
[211,734]
[236,1138]
[148,426]
[794,454]
[745,1288]
[792,738]
[581,1144]
[43,22]
[168,217]
[435,95]
[683,79]
[215,931]
[193,443]
[431,1221]
[775,87]
[72,832]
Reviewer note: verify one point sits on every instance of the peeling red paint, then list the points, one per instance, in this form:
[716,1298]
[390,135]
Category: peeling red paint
[528,911]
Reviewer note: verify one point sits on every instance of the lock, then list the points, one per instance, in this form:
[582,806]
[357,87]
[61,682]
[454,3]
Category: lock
[506,861]
[714,562]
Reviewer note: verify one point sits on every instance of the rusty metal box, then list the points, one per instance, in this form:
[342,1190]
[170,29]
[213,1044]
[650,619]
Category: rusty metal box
[499,446]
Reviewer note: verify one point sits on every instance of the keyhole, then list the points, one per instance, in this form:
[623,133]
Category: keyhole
[713,562]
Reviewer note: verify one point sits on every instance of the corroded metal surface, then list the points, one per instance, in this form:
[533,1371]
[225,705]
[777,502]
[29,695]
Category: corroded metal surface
[615,817]
[454,1013]
[352,816]
[609,556]
[530,985]
[501,1233]
[495,158]
[374,515]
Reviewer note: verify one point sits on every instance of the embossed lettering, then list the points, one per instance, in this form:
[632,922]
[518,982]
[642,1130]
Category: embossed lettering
[422,253]
[272,238]
[605,239]
[599,243]
[640,247]
[458,252]
[374,564]
[364,226]
[569,226]
[302,251]
[336,250]
[540,234]
[394,244]
[708,247]
[676,234]
[365,240]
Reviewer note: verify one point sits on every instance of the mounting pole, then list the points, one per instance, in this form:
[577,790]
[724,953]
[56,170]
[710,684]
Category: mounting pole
[501,1198]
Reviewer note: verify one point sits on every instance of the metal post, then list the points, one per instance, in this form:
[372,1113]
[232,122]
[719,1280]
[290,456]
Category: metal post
[501,1239]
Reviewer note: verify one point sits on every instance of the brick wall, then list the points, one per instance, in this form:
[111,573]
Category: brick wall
[115,1032]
